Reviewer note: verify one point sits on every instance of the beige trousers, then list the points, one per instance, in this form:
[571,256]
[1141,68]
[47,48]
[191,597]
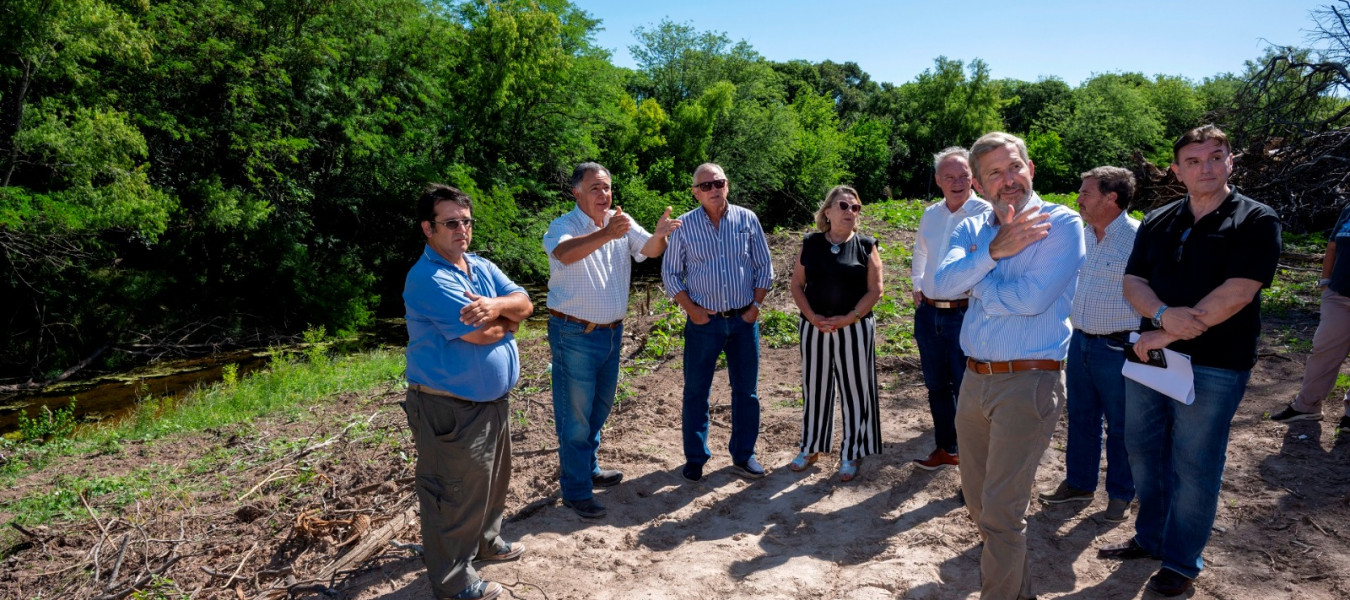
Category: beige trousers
[1004,423]
[1331,344]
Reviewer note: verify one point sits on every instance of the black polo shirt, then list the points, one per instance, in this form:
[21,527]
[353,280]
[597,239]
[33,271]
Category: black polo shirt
[1240,238]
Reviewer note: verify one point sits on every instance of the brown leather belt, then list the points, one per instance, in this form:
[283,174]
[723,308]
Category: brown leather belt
[589,325]
[985,367]
[962,303]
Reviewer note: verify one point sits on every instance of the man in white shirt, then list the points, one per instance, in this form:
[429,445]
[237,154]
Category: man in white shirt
[589,272]
[937,321]
[1102,321]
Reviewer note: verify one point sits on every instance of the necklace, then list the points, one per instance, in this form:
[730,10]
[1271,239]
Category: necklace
[834,246]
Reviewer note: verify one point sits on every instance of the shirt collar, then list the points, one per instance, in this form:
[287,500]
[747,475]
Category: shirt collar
[1035,201]
[431,254]
[580,216]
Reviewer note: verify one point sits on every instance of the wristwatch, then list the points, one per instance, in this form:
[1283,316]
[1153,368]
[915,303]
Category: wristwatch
[1157,316]
[757,305]
[1324,282]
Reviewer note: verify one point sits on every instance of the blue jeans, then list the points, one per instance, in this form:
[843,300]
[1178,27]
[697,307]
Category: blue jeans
[1096,391]
[938,333]
[1177,455]
[585,376]
[702,344]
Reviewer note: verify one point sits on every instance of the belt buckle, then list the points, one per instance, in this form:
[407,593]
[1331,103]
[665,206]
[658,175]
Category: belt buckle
[988,366]
[589,327]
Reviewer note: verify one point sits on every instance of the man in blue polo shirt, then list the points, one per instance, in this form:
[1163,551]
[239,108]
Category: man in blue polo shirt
[717,269]
[462,312]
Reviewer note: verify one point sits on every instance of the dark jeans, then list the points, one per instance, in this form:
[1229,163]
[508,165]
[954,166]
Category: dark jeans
[585,377]
[702,344]
[1097,394]
[938,333]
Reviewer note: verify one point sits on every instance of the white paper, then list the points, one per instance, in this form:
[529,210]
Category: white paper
[1177,381]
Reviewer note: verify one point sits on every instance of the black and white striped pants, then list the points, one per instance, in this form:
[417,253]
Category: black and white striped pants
[843,360]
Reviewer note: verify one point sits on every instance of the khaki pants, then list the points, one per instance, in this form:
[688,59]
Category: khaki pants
[1003,424]
[463,470]
[1331,344]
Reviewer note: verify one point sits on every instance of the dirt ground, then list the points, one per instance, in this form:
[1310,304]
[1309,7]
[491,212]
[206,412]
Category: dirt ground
[895,532]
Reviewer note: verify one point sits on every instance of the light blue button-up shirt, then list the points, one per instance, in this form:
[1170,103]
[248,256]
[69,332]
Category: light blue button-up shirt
[720,267]
[438,357]
[1019,306]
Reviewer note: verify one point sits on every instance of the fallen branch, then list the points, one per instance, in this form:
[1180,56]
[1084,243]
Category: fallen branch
[142,581]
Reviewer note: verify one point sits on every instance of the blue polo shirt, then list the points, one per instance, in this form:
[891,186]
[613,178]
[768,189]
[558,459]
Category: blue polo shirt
[438,357]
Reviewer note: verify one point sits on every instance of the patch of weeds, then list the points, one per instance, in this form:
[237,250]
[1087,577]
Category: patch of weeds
[778,329]
[1305,243]
[1289,292]
[1069,200]
[904,214]
[64,498]
[895,325]
[520,419]
[666,337]
[1294,342]
[47,425]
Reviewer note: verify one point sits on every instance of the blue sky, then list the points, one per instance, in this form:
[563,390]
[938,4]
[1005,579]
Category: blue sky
[895,41]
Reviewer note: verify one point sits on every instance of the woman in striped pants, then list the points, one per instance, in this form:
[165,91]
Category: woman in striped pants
[835,282]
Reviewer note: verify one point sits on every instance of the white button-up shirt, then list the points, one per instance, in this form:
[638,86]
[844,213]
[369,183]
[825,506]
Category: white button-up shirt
[934,237]
[1099,306]
[594,288]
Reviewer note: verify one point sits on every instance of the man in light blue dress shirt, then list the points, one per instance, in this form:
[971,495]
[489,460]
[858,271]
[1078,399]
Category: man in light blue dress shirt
[462,314]
[1020,263]
[717,269]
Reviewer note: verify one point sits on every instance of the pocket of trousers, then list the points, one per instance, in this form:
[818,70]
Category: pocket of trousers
[446,493]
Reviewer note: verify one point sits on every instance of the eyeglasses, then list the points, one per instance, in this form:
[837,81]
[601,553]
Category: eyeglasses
[708,186]
[453,224]
[1181,247]
[849,206]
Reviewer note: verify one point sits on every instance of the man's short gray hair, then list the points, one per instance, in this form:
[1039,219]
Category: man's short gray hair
[993,141]
[949,152]
[707,166]
[584,169]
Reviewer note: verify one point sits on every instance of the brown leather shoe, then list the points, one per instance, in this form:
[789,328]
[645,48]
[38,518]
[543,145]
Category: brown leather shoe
[937,460]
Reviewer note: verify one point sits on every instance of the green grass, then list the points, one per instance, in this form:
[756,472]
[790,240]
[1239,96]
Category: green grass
[778,329]
[1291,291]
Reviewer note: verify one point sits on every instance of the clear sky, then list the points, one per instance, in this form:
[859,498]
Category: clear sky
[895,41]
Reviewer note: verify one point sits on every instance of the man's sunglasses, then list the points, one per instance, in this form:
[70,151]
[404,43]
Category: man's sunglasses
[453,224]
[849,206]
[708,186]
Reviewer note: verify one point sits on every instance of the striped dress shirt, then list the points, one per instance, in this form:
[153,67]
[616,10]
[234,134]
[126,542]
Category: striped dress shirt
[1099,305]
[1019,306]
[719,267]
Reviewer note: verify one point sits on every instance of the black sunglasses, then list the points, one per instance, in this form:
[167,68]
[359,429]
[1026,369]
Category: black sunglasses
[1181,247]
[453,224]
[849,206]
[708,186]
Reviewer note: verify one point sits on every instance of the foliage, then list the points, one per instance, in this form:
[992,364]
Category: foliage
[778,329]
[48,425]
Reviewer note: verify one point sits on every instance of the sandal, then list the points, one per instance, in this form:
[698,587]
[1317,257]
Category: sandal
[848,469]
[803,461]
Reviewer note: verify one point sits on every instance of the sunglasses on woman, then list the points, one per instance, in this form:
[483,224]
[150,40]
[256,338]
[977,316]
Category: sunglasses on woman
[849,206]
[708,186]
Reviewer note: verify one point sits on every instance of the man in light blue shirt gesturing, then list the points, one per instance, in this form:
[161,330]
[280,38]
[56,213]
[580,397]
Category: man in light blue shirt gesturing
[717,269]
[1020,263]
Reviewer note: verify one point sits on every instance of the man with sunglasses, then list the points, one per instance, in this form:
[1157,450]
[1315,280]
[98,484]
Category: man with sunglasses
[462,312]
[1195,275]
[590,253]
[937,319]
[1020,264]
[717,269]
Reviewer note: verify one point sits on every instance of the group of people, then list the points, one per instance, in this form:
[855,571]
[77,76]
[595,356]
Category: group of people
[1022,307]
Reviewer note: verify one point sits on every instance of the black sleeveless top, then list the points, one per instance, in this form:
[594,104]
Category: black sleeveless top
[835,282]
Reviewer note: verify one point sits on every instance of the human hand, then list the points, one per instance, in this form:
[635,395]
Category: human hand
[618,224]
[751,314]
[1152,340]
[1017,231]
[698,315]
[480,310]
[917,296]
[666,225]
[1183,322]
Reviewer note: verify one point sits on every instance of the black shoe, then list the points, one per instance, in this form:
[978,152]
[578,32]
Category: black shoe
[606,478]
[749,468]
[1168,583]
[1344,424]
[586,509]
[1289,415]
[692,471]
[1126,551]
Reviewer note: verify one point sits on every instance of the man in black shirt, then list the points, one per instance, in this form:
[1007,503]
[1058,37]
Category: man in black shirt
[1195,274]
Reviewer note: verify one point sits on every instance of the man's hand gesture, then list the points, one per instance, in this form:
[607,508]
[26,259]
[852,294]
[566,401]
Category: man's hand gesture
[1017,231]
[666,225]
[619,224]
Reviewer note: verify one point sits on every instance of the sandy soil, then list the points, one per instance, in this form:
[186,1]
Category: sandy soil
[895,532]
